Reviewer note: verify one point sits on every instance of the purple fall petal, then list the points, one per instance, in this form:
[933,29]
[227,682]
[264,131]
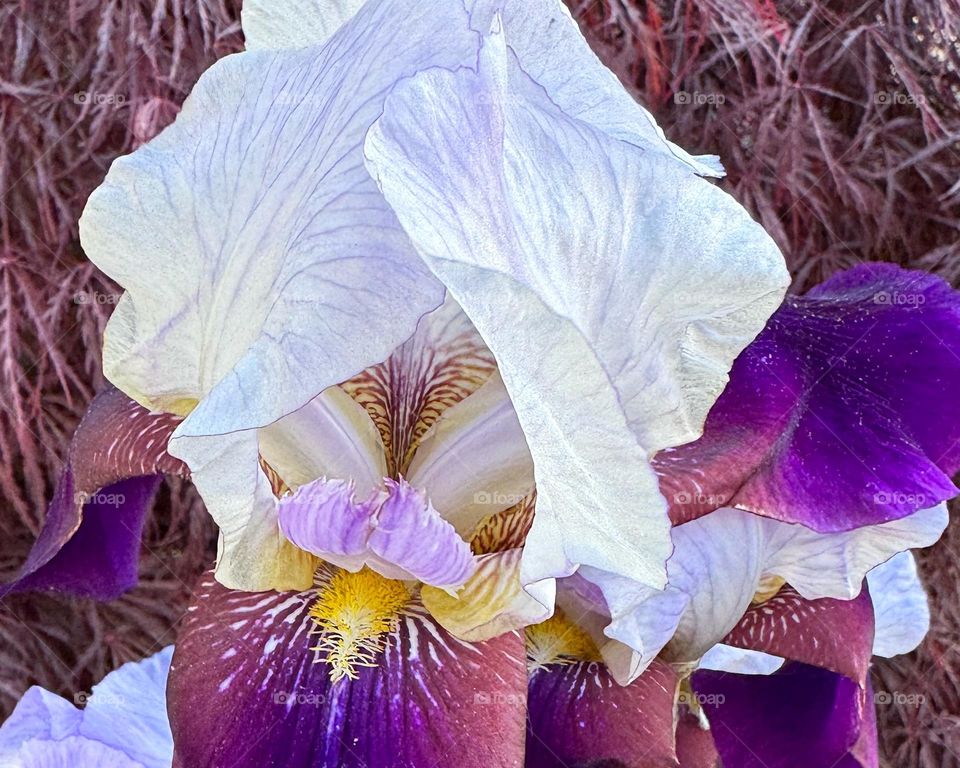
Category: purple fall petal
[840,414]
[245,692]
[799,717]
[580,717]
[90,541]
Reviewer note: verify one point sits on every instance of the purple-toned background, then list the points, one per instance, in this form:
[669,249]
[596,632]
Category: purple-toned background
[839,124]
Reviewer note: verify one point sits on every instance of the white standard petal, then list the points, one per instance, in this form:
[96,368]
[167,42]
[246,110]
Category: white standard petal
[260,262]
[614,287]
[641,621]
[722,560]
[276,24]
[900,607]
[553,51]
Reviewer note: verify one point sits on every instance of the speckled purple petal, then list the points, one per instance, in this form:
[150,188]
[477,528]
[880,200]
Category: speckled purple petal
[840,414]
[800,717]
[89,544]
[396,532]
[580,717]
[245,692]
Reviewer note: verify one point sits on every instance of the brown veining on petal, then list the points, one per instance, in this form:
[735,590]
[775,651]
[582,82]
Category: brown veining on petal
[506,529]
[277,483]
[444,362]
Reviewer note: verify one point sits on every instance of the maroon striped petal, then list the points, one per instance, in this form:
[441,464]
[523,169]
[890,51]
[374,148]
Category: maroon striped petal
[580,717]
[833,634]
[840,414]
[89,544]
[245,692]
[695,747]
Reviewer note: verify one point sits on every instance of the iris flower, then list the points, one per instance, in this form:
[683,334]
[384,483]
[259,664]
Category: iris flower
[437,321]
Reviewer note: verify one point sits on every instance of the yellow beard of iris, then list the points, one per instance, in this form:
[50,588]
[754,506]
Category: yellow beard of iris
[352,614]
[558,641]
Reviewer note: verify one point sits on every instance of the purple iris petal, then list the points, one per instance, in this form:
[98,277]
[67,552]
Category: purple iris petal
[90,541]
[800,717]
[580,717]
[396,532]
[245,692]
[100,560]
[840,414]
[834,634]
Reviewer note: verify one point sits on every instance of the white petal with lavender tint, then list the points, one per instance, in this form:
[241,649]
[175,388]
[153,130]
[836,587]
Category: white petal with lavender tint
[474,460]
[331,436]
[395,532]
[722,560]
[259,260]
[835,564]
[900,607]
[553,51]
[641,621]
[123,725]
[718,563]
[275,24]
[548,43]
[614,288]
[741,661]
